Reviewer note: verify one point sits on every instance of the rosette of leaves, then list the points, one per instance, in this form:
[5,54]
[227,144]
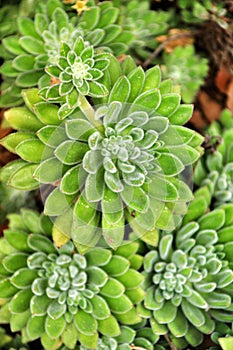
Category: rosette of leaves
[189,276]
[38,44]
[215,168]
[77,72]
[186,69]
[58,295]
[119,161]
[145,25]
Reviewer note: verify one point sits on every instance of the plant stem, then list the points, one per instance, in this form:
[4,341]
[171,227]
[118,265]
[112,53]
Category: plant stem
[172,346]
[89,112]
[162,45]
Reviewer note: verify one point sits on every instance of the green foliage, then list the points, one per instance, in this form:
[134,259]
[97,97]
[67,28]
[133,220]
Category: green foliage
[12,200]
[122,160]
[186,69]
[215,168]
[145,25]
[222,336]
[40,42]
[52,293]
[189,276]
[78,71]
[204,10]
[142,337]
[11,343]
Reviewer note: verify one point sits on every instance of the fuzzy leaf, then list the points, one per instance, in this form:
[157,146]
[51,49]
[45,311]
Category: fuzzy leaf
[109,327]
[23,278]
[162,189]
[7,290]
[131,279]
[100,308]
[120,91]
[147,101]
[71,152]
[29,79]
[57,202]
[117,266]
[169,104]
[135,198]
[129,318]
[21,301]
[73,180]
[94,186]
[98,257]
[21,118]
[85,323]
[19,321]
[15,261]
[41,243]
[55,327]
[31,150]
[136,79]
[32,45]
[49,171]
[193,314]
[47,113]
[36,327]
[56,310]
[213,220]
[17,239]
[39,305]
[179,326]
[113,288]
[153,77]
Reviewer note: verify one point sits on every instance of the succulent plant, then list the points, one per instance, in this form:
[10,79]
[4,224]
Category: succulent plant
[59,295]
[145,24]
[187,69]
[122,159]
[204,10]
[76,72]
[188,278]
[38,45]
[215,168]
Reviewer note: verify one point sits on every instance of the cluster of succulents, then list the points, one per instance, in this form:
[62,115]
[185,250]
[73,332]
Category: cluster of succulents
[186,69]
[215,168]
[126,156]
[188,277]
[51,293]
[119,253]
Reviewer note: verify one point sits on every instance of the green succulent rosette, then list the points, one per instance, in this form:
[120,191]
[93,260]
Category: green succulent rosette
[38,43]
[77,71]
[215,168]
[186,69]
[188,278]
[110,165]
[59,295]
[145,24]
